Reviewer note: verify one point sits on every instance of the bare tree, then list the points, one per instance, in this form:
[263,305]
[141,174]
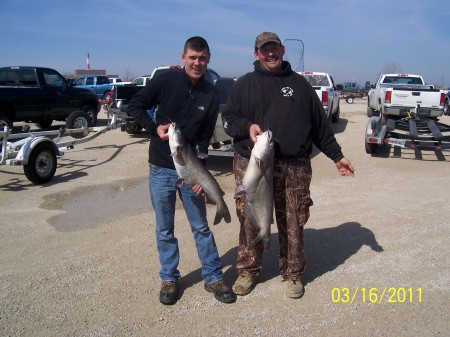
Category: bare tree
[128,75]
[391,68]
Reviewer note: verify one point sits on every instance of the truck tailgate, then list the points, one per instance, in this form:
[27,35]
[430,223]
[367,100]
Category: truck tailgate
[429,98]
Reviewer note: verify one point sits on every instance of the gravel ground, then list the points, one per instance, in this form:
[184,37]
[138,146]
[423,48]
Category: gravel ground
[78,255]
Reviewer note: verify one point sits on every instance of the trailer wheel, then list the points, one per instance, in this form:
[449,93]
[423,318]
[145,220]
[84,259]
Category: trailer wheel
[350,99]
[371,148]
[41,165]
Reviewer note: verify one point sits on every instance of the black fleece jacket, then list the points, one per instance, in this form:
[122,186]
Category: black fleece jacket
[194,108]
[285,103]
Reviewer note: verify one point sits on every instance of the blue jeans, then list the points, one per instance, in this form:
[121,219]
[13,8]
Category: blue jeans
[163,193]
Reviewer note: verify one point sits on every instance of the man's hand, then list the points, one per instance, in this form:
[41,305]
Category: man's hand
[198,190]
[345,168]
[162,131]
[254,131]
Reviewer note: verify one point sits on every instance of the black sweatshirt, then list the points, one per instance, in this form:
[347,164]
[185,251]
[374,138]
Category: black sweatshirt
[194,108]
[285,103]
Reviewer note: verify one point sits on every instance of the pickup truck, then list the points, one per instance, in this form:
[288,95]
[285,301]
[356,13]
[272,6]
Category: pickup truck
[98,84]
[325,89]
[399,95]
[41,95]
[350,90]
[210,75]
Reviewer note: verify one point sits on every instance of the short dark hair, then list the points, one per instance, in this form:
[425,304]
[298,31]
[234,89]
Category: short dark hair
[196,43]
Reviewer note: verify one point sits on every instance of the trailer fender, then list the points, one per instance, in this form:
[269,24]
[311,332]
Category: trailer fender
[25,151]
[375,129]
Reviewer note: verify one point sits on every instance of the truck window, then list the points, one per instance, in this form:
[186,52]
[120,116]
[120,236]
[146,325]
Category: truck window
[53,79]
[317,80]
[90,81]
[102,80]
[25,77]
[79,81]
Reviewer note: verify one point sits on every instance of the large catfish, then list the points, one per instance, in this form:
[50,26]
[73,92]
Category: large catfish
[192,171]
[257,186]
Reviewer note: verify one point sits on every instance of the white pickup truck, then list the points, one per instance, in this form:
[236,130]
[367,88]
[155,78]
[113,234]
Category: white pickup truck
[324,86]
[399,95]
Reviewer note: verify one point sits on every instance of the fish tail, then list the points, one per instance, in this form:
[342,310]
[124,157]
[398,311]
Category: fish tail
[222,213]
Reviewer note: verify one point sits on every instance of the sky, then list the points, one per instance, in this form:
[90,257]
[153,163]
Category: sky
[353,40]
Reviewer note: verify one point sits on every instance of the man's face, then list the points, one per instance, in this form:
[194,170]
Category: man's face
[195,63]
[270,56]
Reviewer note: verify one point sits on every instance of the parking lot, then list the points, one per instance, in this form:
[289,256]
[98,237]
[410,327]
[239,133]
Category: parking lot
[78,255]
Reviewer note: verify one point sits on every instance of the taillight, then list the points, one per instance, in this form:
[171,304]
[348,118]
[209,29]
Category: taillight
[387,97]
[442,102]
[109,98]
[324,98]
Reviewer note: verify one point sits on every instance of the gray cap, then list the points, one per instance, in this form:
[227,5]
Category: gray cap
[266,37]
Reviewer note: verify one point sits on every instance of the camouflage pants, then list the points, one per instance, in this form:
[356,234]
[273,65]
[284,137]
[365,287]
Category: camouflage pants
[292,200]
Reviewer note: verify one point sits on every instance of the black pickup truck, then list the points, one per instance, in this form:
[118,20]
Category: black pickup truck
[41,95]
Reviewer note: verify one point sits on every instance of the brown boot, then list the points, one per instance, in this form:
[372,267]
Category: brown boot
[244,285]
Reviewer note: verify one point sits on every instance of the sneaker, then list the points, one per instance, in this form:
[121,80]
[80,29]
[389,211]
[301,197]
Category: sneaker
[221,291]
[293,288]
[168,293]
[244,285]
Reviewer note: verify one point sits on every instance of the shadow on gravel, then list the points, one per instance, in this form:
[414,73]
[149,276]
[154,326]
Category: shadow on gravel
[340,126]
[328,248]
[325,250]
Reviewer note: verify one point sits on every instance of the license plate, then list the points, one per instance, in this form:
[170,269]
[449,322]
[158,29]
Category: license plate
[397,142]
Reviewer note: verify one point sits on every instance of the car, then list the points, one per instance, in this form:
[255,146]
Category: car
[446,107]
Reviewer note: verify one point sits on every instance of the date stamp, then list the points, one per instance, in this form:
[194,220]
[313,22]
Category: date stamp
[377,295]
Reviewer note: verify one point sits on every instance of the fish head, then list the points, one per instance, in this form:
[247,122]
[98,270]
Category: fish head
[263,145]
[176,138]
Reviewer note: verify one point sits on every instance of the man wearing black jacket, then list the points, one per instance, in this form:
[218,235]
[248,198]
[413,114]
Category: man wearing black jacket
[275,96]
[182,96]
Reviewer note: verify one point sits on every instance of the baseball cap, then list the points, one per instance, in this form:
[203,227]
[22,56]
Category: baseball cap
[266,37]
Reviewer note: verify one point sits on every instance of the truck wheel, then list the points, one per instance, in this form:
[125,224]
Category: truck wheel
[92,112]
[77,120]
[350,99]
[446,107]
[41,165]
[4,121]
[336,116]
[371,148]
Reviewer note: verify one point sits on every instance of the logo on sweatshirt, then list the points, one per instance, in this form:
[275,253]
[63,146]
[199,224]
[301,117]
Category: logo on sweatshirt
[287,91]
[201,107]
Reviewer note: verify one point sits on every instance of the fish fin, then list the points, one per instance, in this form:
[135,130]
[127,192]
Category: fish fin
[258,162]
[180,181]
[265,241]
[240,192]
[180,159]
